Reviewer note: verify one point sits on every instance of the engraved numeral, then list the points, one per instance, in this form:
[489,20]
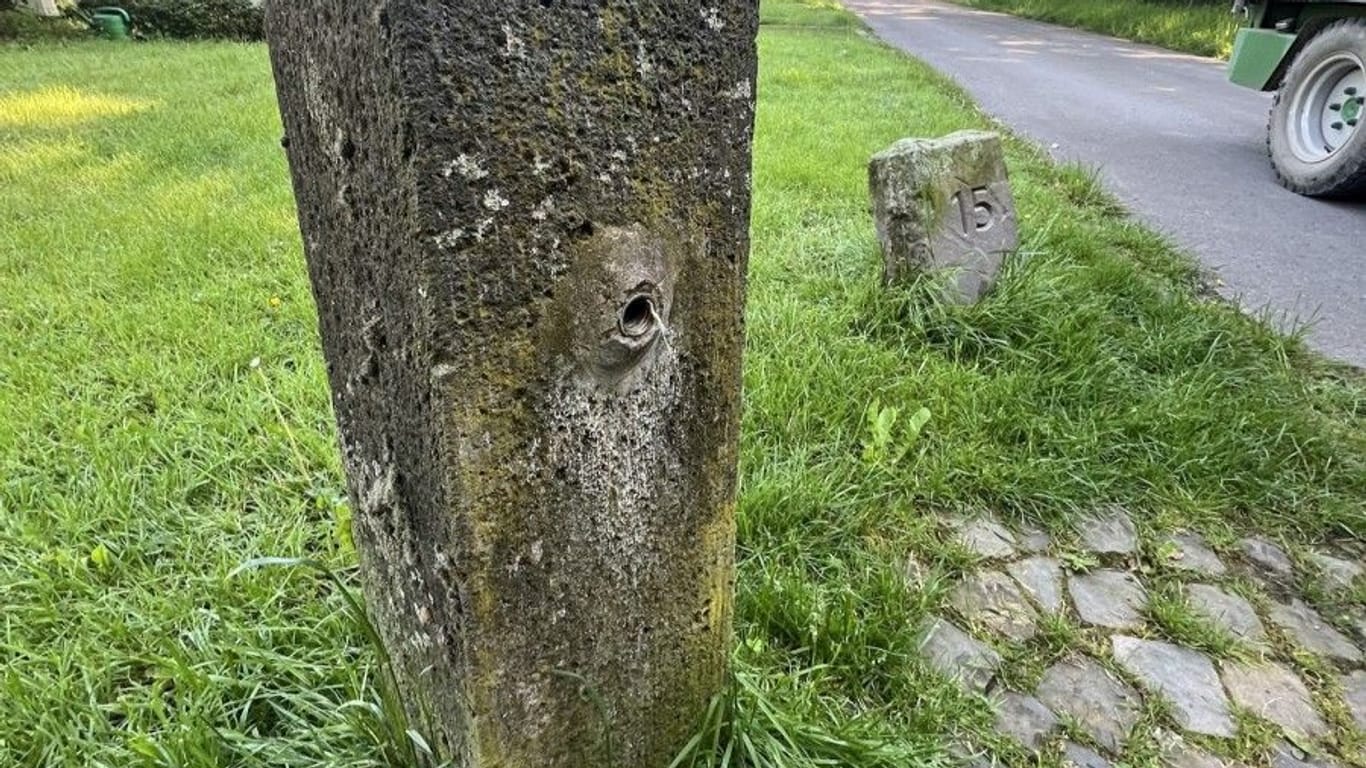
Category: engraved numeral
[977,208]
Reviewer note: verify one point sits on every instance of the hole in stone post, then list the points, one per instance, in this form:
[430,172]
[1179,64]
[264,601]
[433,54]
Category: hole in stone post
[637,317]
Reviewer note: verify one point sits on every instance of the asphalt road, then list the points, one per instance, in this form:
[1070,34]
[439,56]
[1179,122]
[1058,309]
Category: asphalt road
[1178,143]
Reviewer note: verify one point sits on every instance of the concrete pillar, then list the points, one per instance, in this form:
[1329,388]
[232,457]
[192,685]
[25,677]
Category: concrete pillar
[526,224]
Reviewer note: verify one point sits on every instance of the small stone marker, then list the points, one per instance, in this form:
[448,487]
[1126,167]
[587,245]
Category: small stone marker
[1274,693]
[1105,708]
[944,204]
[1185,678]
[527,229]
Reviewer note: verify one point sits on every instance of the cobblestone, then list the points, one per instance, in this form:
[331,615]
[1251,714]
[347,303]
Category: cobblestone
[1109,532]
[1104,707]
[1188,552]
[993,600]
[1111,599]
[1308,629]
[1185,678]
[1274,693]
[1228,612]
[956,654]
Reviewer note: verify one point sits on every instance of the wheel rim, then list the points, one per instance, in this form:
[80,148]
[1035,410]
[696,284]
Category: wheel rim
[1329,109]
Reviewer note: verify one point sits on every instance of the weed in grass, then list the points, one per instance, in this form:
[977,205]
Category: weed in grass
[888,441]
[1079,561]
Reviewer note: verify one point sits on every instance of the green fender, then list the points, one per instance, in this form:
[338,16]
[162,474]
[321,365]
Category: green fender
[1261,54]
[1257,57]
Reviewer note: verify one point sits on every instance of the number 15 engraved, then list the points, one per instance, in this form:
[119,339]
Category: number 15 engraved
[978,209]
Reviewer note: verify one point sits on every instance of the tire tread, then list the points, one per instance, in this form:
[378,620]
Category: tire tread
[1349,178]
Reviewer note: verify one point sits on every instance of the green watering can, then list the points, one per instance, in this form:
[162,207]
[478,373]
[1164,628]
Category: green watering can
[112,23]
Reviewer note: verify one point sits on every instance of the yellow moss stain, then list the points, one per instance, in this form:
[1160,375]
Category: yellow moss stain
[718,544]
[62,105]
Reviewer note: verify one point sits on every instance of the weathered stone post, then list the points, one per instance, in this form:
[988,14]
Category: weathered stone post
[944,204]
[526,224]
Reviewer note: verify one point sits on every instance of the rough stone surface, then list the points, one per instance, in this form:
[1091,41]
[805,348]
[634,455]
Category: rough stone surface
[1268,557]
[1111,599]
[1075,755]
[944,204]
[1354,688]
[991,599]
[1358,623]
[1190,757]
[1024,719]
[1109,532]
[1335,574]
[1176,753]
[1034,540]
[1286,755]
[1185,678]
[1274,693]
[1188,552]
[1308,630]
[984,537]
[526,226]
[956,654]
[1228,612]
[1042,579]
[1105,708]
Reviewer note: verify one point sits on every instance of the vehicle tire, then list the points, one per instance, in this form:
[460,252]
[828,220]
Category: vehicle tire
[1317,131]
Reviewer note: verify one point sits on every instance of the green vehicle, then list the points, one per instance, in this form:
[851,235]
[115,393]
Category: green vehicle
[1312,53]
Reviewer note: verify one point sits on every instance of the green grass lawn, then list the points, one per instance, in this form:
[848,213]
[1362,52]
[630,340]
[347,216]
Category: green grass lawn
[1195,27]
[166,417]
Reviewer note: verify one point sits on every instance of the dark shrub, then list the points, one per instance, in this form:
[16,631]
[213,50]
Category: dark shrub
[24,26]
[225,19]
